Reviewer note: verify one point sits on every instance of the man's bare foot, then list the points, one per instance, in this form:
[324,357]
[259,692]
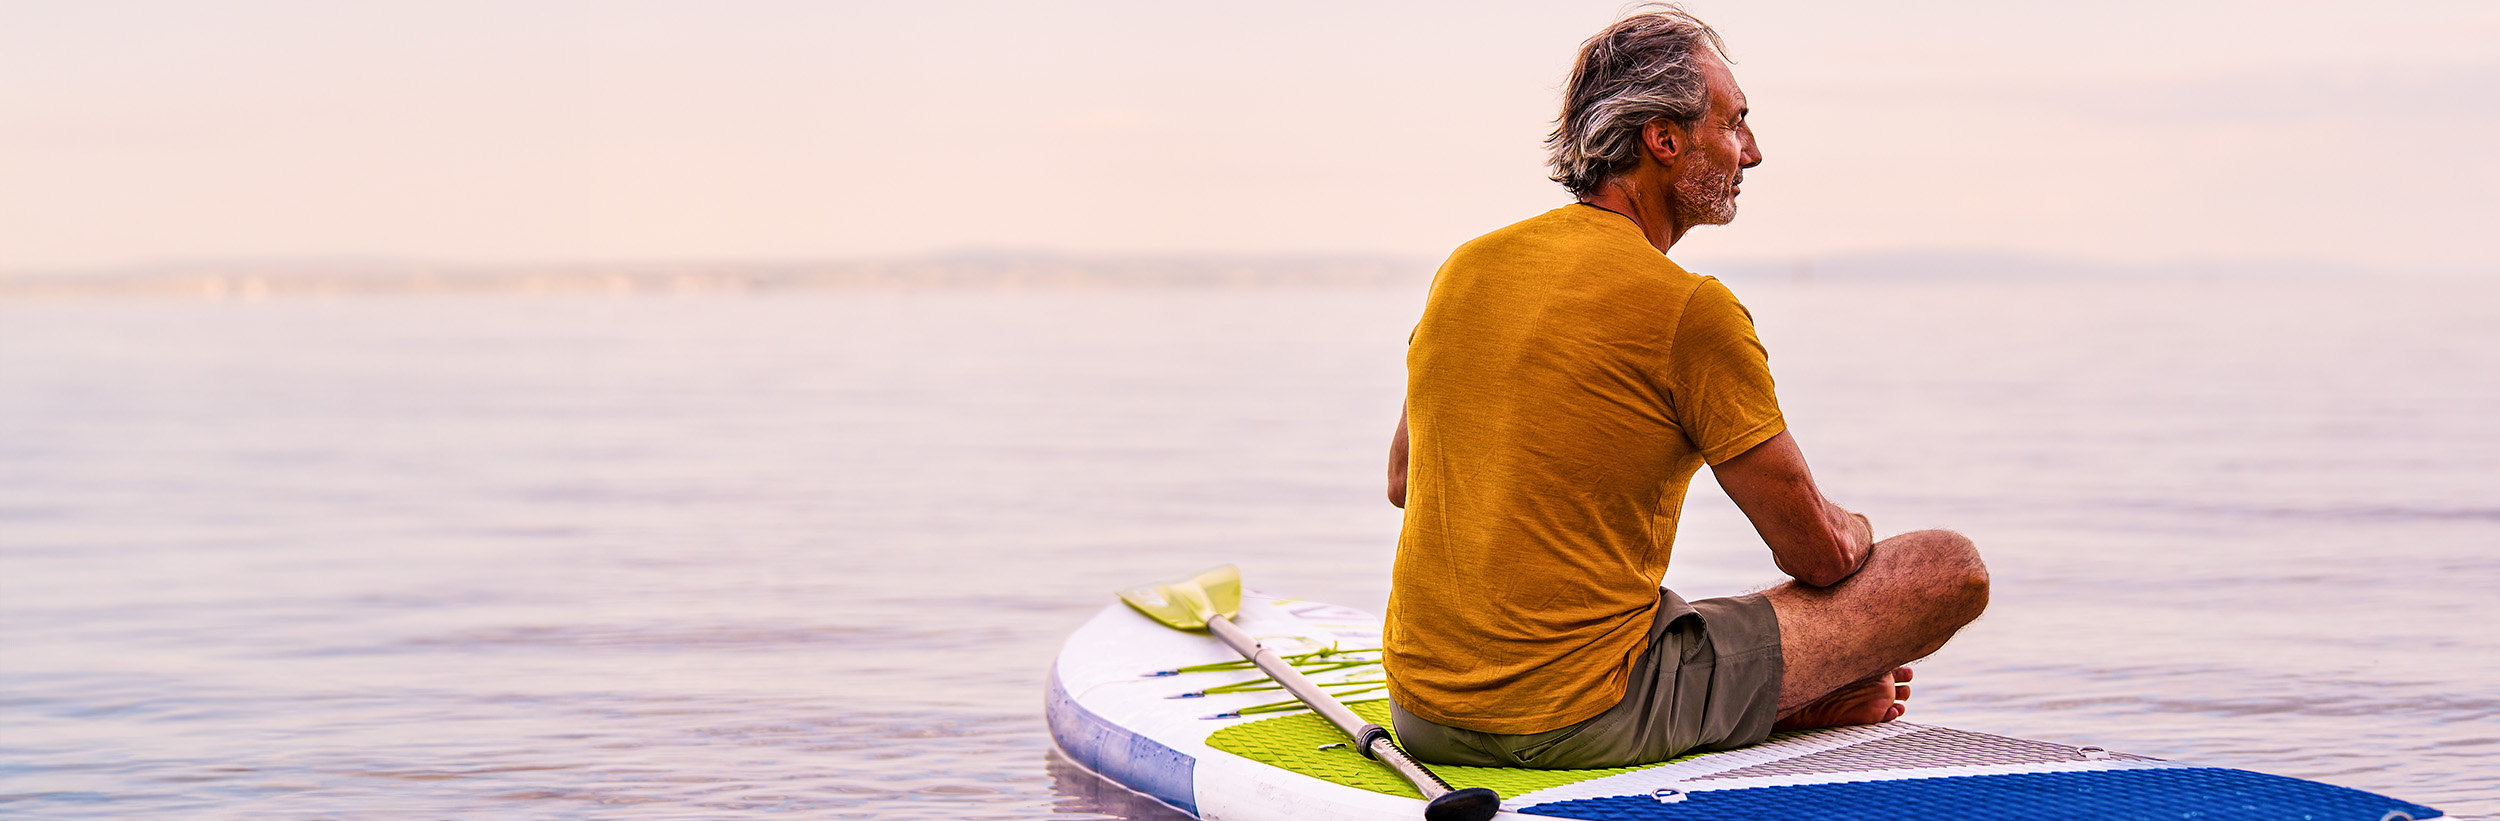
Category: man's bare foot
[1866,701]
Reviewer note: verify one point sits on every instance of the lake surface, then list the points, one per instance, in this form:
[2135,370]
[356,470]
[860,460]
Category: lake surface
[810,555]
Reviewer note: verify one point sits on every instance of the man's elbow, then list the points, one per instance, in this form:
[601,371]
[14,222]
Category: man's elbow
[1397,491]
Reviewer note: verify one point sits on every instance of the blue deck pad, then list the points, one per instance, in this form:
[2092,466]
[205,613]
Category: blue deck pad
[2169,794]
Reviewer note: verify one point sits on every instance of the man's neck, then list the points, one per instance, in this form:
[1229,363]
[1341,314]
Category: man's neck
[1644,204]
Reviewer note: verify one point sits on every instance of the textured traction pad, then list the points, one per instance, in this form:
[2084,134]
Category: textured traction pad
[2169,794]
[1929,747]
[1294,742]
[1877,773]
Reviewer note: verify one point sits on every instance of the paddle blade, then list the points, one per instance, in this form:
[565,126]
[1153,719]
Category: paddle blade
[1187,603]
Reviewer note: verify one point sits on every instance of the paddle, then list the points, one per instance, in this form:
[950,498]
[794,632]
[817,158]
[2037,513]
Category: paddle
[1208,601]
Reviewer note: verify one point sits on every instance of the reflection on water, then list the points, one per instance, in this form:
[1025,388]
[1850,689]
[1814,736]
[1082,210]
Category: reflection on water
[1081,792]
[810,555]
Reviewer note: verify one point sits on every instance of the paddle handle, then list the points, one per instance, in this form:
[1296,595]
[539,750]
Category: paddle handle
[1368,737]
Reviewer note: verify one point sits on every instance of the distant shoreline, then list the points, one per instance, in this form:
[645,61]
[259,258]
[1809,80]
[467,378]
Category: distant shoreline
[259,280]
[247,281]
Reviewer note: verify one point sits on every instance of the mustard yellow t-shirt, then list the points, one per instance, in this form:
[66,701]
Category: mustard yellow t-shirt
[1563,386]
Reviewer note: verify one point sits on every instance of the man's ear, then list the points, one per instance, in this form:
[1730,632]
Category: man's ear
[1662,140]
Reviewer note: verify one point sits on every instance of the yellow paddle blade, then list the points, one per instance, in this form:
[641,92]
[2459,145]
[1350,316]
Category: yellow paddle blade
[1187,603]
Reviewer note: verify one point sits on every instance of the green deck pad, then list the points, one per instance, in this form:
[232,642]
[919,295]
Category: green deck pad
[1293,742]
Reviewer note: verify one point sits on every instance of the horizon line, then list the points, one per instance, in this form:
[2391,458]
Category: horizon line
[379,264]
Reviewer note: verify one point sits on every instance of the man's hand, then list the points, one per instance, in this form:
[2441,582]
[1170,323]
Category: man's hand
[1814,541]
[1397,462]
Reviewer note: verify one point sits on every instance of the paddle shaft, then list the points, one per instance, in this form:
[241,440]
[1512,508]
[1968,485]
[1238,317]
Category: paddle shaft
[1374,740]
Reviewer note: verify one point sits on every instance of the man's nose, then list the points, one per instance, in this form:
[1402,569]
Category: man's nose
[1752,155]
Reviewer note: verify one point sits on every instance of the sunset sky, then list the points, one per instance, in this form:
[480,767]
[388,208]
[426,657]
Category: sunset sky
[140,132]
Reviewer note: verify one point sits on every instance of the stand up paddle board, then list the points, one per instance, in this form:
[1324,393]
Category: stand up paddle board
[1177,717]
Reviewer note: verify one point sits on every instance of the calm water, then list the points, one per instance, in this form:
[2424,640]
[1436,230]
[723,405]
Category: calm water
[810,555]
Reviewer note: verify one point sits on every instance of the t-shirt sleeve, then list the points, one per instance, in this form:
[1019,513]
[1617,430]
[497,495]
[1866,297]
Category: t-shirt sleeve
[1718,379]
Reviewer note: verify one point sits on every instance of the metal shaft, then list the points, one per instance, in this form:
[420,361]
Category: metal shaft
[1367,736]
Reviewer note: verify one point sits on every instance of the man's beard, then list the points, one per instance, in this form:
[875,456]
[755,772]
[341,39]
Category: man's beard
[1706,199]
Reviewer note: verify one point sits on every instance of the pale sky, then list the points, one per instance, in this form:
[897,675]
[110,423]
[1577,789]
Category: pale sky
[134,132]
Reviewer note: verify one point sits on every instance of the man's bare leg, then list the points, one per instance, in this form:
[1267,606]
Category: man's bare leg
[1843,645]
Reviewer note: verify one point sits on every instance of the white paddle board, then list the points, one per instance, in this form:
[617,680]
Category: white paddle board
[1119,704]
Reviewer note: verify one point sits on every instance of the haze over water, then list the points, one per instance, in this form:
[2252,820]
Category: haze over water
[810,555]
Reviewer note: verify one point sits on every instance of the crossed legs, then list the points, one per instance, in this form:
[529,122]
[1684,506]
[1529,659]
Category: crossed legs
[1843,646]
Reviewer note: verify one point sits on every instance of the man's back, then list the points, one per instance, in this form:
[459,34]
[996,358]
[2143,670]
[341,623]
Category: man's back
[1565,383]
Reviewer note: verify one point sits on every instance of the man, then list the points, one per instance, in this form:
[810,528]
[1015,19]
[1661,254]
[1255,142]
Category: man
[1565,383]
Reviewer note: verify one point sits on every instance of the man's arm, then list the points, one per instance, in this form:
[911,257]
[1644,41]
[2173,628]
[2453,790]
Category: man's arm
[1816,542]
[1397,462]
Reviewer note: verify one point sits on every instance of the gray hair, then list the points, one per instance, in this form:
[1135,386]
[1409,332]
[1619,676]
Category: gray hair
[1644,67]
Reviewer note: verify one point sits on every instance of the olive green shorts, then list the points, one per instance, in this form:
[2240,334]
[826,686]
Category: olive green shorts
[1721,691]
